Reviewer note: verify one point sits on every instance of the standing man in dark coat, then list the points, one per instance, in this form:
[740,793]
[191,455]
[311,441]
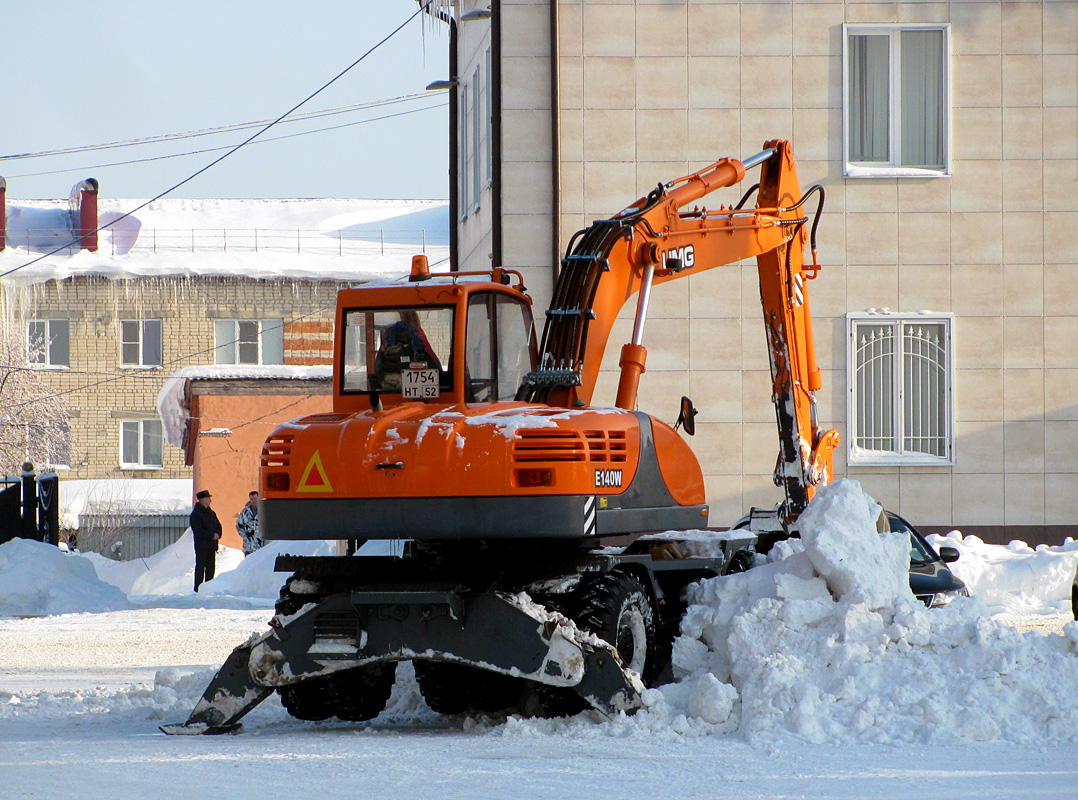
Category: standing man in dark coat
[207,530]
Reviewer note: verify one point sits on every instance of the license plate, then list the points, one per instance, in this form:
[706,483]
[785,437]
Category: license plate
[419,384]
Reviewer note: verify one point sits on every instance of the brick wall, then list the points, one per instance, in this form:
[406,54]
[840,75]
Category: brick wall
[308,342]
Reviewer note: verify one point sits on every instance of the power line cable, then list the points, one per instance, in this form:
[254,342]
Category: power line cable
[225,147]
[121,374]
[246,141]
[236,126]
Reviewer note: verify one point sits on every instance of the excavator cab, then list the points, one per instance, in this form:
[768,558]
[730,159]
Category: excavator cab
[454,339]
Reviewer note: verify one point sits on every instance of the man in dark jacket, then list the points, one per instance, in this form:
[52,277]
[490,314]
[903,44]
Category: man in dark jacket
[207,530]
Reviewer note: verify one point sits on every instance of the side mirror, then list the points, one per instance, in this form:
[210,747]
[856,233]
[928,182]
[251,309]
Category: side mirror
[687,418]
[949,554]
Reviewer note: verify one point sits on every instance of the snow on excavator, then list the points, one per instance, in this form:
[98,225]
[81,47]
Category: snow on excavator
[549,543]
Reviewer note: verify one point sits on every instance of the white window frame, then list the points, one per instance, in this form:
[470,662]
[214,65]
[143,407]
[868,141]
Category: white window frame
[46,354]
[463,176]
[477,142]
[858,456]
[264,325]
[141,342]
[894,168]
[141,464]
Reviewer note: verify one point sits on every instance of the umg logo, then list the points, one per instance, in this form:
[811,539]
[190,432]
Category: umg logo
[679,258]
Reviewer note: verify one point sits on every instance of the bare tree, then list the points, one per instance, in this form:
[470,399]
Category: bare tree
[108,523]
[34,423]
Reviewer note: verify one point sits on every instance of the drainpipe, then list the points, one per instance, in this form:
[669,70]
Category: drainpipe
[454,147]
[555,137]
[3,213]
[496,133]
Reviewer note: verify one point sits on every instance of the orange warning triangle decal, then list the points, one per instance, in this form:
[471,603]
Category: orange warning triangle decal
[316,482]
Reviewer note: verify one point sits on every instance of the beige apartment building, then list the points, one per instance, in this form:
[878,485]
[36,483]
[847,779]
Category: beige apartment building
[946,137]
[168,290]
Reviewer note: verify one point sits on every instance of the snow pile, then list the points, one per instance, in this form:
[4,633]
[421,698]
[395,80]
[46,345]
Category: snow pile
[1016,579]
[253,576]
[172,571]
[39,579]
[168,572]
[825,643]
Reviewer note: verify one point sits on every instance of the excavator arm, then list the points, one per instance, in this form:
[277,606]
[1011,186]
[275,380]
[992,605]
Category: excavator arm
[658,239]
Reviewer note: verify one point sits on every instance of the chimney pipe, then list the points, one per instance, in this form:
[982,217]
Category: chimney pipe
[83,202]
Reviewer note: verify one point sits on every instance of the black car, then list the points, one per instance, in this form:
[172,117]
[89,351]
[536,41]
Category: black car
[930,579]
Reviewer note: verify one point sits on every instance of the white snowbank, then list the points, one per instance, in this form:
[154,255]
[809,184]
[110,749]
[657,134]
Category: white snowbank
[39,579]
[253,576]
[1015,579]
[171,572]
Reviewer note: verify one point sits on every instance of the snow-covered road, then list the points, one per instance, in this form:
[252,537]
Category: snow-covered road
[814,675]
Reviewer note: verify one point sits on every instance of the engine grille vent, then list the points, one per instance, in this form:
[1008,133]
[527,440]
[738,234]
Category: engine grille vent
[548,445]
[606,446]
[322,418]
[562,445]
[277,451]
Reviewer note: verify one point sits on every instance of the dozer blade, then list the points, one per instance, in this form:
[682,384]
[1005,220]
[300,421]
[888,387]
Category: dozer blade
[230,695]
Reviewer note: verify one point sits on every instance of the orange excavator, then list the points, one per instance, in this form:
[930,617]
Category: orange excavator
[549,543]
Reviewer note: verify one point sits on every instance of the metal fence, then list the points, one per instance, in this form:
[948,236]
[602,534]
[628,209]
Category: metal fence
[126,538]
[248,240]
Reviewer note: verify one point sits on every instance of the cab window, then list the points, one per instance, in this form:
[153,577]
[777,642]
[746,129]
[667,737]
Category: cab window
[386,349]
[500,347]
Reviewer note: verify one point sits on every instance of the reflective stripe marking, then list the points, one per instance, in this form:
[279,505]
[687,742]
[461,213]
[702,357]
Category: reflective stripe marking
[589,515]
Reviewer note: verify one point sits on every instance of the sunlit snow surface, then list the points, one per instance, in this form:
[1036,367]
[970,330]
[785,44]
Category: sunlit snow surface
[789,679]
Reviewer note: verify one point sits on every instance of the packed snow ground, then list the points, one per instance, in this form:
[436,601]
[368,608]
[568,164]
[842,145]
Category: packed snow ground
[816,674]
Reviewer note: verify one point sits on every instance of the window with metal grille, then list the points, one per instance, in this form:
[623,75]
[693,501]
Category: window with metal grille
[901,407]
[897,100]
[140,342]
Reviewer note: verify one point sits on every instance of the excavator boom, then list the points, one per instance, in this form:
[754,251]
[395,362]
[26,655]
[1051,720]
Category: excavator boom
[656,240]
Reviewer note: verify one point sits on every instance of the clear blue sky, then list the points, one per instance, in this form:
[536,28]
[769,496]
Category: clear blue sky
[78,73]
